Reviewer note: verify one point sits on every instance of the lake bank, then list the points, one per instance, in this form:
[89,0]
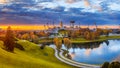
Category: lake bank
[82,40]
[102,38]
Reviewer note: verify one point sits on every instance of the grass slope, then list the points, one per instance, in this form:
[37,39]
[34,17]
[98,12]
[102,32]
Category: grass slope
[32,57]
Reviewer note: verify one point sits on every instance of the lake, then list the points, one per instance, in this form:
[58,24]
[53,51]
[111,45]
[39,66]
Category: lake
[95,53]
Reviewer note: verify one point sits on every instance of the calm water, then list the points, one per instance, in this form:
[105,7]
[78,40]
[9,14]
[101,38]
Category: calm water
[95,53]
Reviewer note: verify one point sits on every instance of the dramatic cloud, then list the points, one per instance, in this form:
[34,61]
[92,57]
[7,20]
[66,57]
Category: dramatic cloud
[71,1]
[3,1]
[42,11]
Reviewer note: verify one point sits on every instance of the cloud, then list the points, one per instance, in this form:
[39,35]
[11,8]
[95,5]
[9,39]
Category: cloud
[3,18]
[84,11]
[87,3]
[7,10]
[3,1]
[88,52]
[71,1]
[114,6]
[99,8]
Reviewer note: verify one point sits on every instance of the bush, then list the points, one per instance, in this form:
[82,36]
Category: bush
[112,65]
[19,46]
[42,46]
[105,65]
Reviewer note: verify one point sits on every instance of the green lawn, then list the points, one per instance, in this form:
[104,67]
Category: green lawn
[32,57]
[49,40]
[102,38]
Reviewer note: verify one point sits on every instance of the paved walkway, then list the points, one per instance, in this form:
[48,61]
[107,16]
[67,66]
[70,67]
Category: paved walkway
[71,62]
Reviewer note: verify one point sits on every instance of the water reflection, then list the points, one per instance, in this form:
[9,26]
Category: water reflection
[95,53]
[87,46]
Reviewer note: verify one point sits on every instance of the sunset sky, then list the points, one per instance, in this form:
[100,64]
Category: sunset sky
[34,12]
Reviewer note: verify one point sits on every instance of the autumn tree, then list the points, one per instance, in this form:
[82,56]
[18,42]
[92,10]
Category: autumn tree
[67,43]
[93,36]
[25,36]
[9,40]
[58,43]
[87,35]
[34,38]
[106,32]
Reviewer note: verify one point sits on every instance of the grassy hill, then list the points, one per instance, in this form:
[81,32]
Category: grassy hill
[32,57]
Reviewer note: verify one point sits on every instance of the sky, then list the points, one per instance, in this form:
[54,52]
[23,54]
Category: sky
[84,12]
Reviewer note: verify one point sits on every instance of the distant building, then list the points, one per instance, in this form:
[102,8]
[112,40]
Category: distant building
[61,25]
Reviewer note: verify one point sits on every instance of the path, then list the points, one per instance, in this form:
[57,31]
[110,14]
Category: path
[71,62]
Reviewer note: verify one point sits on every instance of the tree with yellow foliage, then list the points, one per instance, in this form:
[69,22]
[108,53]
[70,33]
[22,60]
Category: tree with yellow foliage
[58,43]
[67,43]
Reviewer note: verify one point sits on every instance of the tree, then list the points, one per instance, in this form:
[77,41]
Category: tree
[67,43]
[105,65]
[34,38]
[9,40]
[87,35]
[58,43]
[25,36]
[93,36]
[114,65]
[106,32]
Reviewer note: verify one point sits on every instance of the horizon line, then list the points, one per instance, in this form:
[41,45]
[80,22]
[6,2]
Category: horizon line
[42,27]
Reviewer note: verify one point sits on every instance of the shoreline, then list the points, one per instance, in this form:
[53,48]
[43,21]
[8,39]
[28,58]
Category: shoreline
[82,40]
[61,57]
[102,38]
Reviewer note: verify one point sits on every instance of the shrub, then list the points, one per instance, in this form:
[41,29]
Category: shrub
[105,65]
[19,46]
